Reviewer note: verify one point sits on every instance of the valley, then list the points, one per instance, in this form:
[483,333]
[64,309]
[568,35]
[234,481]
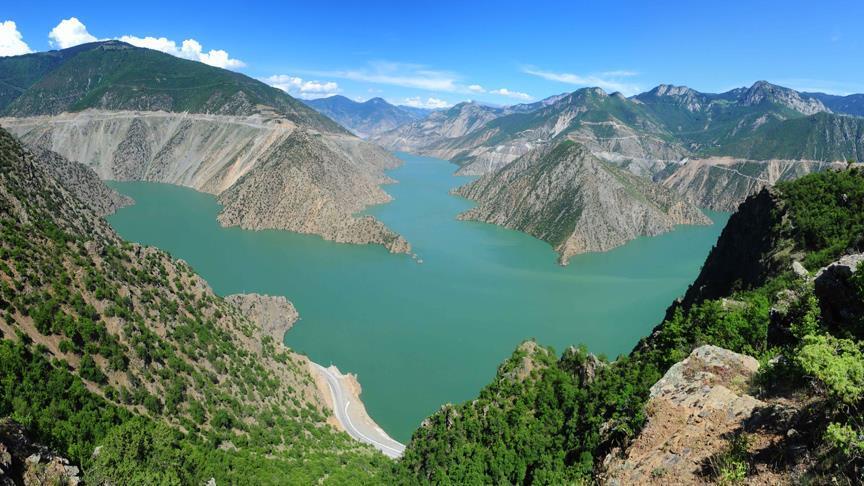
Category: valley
[385,246]
[447,322]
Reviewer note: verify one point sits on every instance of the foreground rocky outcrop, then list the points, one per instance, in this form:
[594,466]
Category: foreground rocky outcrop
[26,462]
[842,307]
[576,202]
[691,412]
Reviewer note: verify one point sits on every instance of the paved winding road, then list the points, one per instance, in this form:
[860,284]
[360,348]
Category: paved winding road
[353,416]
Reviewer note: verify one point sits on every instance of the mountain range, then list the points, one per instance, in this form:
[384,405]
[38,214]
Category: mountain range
[367,118]
[132,113]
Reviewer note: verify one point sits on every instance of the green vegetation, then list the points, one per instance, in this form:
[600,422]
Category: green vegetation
[107,344]
[117,76]
[549,424]
[827,212]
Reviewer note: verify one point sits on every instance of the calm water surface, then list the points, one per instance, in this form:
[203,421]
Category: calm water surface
[421,335]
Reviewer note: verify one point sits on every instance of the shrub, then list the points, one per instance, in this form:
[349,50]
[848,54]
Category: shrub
[838,364]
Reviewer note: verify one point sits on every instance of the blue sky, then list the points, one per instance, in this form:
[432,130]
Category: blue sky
[441,53]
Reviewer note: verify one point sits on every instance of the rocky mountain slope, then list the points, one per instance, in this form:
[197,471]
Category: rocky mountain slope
[575,201]
[81,181]
[153,117]
[783,285]
[850,104]
[112,345]
[652,133]
[367,119]
[421,136]
[722,183]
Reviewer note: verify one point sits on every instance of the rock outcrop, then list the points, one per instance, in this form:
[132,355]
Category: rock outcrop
[576,202]
[840,298]
[691,411]
[274,314]
[24,461]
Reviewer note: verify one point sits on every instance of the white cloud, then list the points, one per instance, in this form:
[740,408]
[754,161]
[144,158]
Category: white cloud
[11,41]
[418,102]
[299,87]
[399,74]
[512,94]
[609,81]
[476,88]
[71,32]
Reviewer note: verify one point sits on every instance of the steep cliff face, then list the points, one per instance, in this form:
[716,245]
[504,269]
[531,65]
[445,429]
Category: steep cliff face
[314,188]
[722,183]
[750,249]
[576,202]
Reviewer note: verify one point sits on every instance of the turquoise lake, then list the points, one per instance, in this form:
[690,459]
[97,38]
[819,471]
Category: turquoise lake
[421,335]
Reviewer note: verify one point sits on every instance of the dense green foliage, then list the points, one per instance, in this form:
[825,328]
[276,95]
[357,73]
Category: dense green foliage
[827,213]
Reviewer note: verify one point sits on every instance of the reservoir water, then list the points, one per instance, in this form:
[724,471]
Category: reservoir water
[421,335]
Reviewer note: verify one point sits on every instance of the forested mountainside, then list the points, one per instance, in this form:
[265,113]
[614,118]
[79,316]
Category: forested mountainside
[113,75]
[784,285]
[139,114]
[368,118]
[122,359]
[576,202]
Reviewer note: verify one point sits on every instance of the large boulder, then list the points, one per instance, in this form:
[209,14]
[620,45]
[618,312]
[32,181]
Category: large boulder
[691,412]
[841,302]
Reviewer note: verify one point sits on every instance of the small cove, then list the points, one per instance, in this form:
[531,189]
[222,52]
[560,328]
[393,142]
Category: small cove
[421,335]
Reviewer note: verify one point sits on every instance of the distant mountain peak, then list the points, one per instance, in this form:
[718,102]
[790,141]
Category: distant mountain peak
[672,90]
[762,91]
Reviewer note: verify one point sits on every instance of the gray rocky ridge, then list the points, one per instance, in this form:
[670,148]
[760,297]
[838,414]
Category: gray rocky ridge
[576,202]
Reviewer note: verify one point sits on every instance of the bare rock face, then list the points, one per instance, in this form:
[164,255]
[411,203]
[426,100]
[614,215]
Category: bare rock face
[23,461]
[575,201]
[691,409]
[268,172]
[723,183]
[273,313]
